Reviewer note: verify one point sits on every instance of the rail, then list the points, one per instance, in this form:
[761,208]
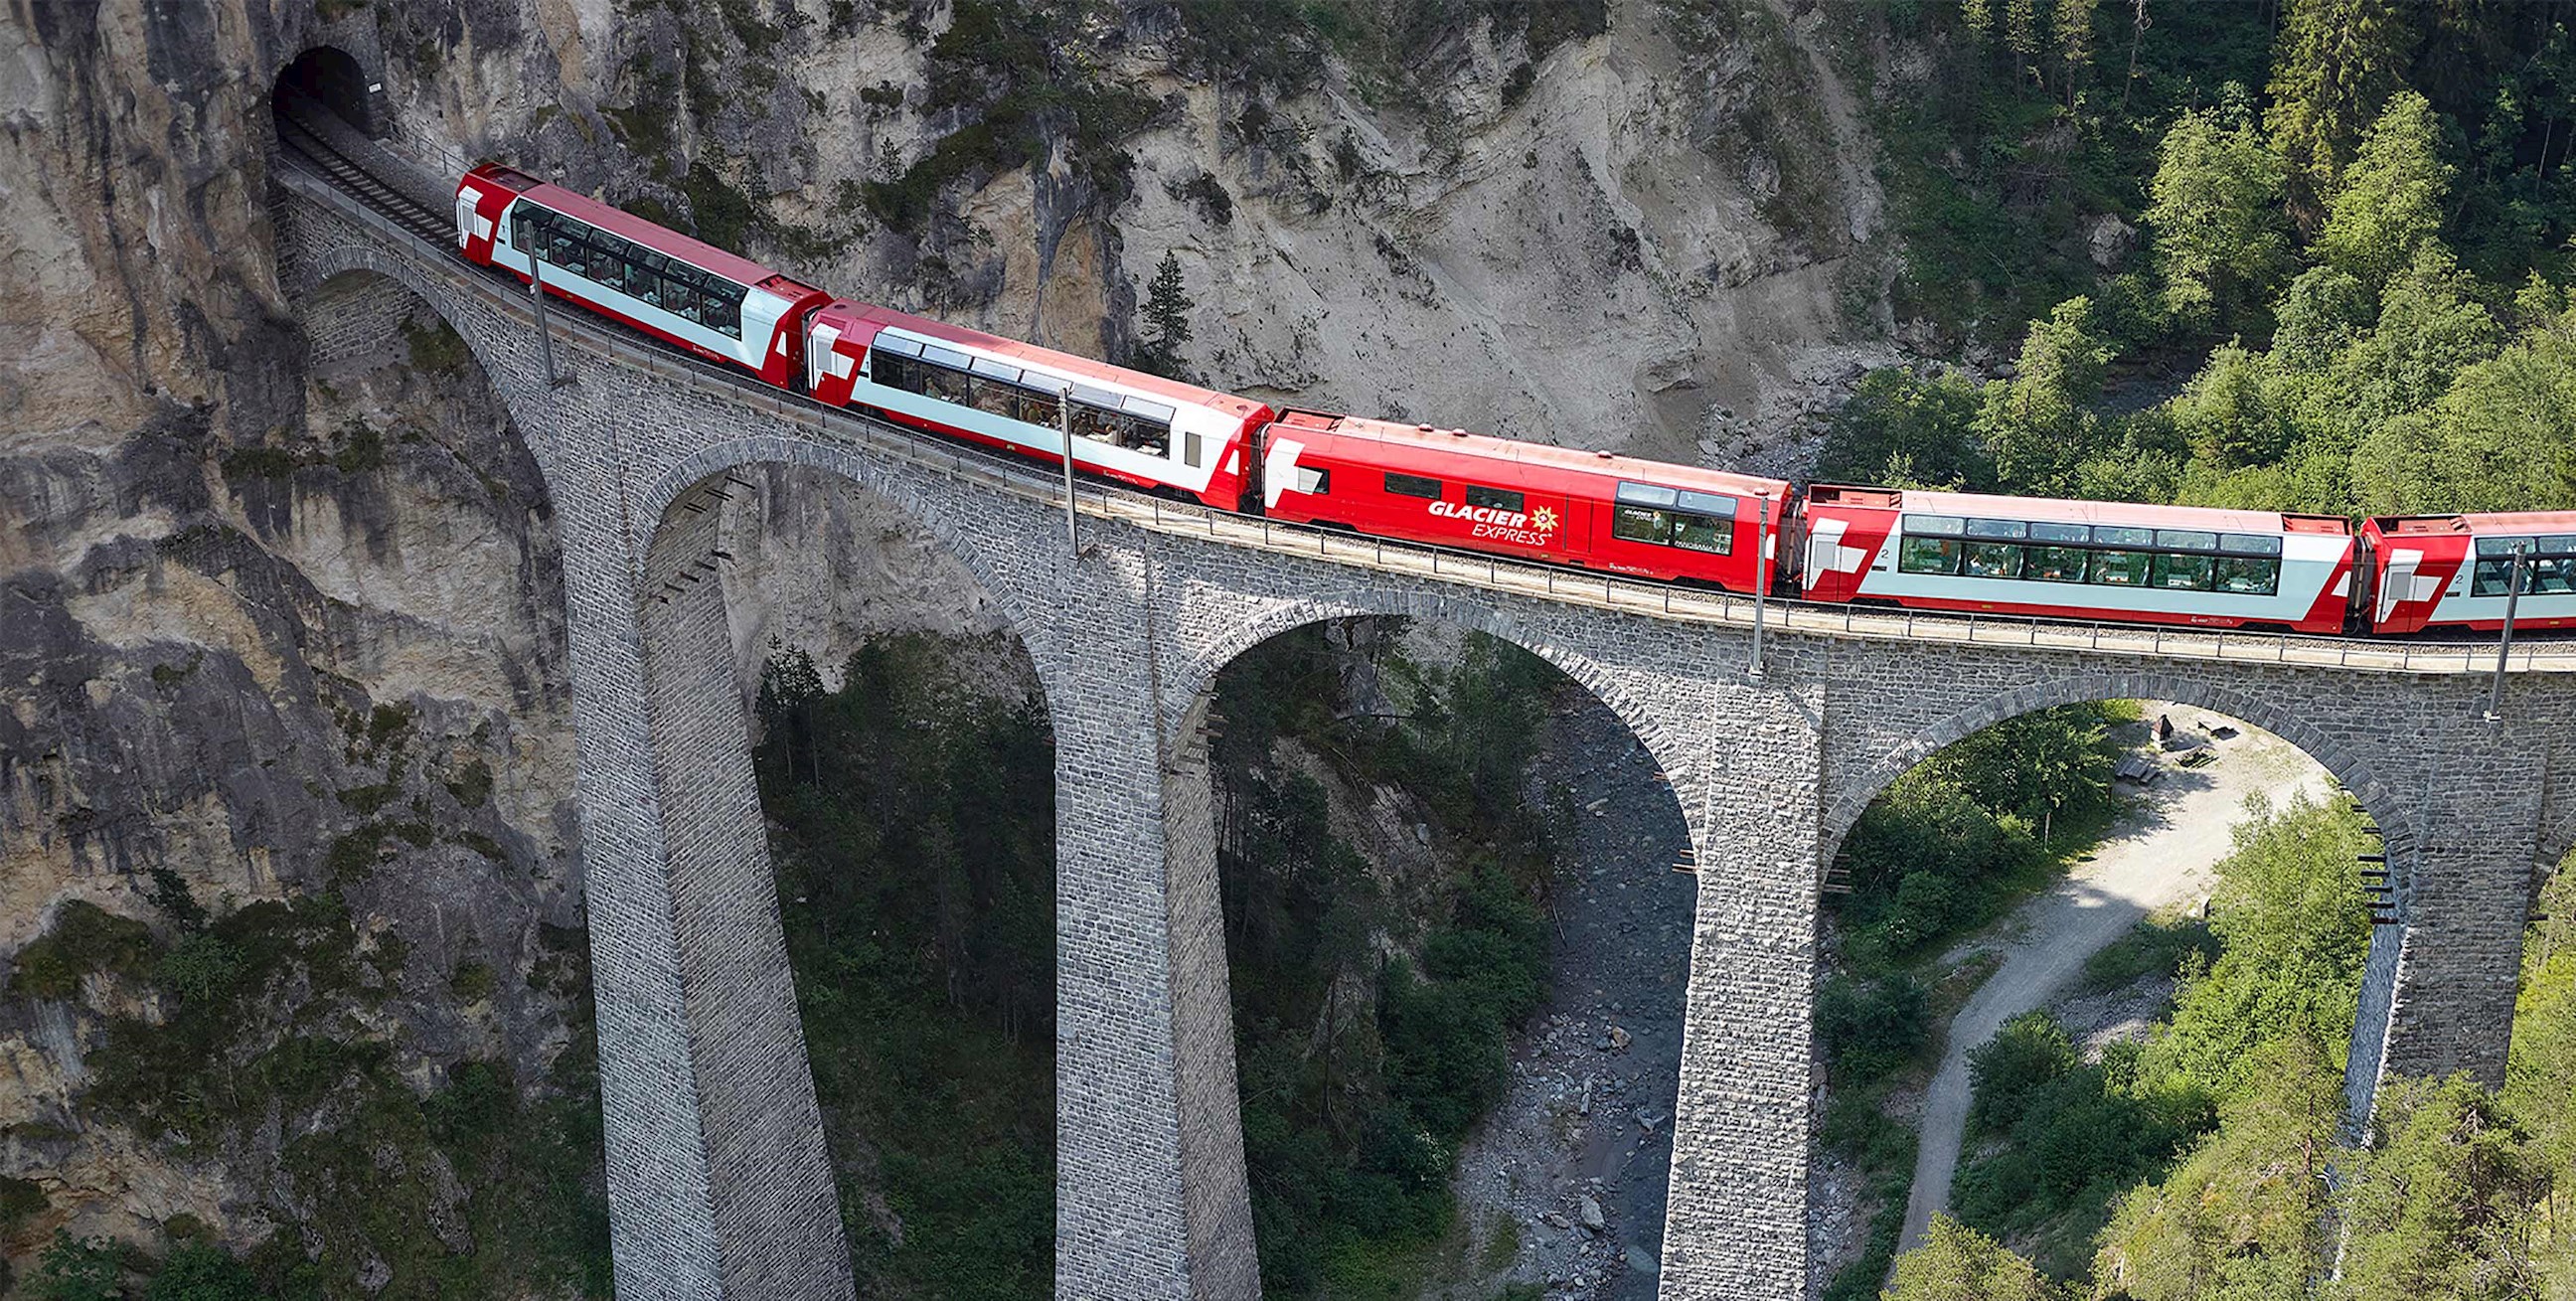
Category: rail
[1017,477]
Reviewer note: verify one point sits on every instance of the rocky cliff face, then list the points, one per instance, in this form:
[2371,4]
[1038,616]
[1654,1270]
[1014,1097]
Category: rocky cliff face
[1651,226]
[285,826]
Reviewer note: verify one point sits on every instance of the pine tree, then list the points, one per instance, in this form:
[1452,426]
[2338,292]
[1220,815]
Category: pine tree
[2073,20]
[2390,206]
[1167,320]
[2021,32]
[2339,62]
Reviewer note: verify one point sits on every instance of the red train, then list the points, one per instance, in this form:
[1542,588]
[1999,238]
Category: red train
[2094,561]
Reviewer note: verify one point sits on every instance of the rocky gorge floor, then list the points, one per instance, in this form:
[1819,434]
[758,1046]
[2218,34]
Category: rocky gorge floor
[1563,1187]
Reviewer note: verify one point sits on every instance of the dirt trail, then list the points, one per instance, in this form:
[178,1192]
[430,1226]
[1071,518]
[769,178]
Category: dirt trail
[2159,854]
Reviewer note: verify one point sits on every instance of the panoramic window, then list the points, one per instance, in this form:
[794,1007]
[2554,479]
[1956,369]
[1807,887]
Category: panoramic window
[1493,498]
[1700,532]
[1413,485]
[1641,524]
[1993,560]
[2053,564]
[2181,572]
[2119,568]
[1929,555]
[623,266]
[2246,576]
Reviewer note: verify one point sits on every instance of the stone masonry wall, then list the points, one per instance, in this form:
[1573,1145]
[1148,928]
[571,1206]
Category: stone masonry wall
[703,1076]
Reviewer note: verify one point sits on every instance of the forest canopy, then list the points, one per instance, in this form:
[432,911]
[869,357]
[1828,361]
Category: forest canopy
[2352,295]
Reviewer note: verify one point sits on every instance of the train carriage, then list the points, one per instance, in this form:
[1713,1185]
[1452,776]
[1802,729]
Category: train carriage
[2453,571]
[2078,559]
[1528,500]
[719,305]
[1128,425]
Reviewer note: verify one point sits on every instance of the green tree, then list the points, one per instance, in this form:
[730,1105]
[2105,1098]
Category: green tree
[2228,412]
[2440,1204]
[2540,1076]
[1907,432]
[2322,313]
[2037,764]
[2293,932]
[1167,320]
[2072,21]
[2431,328]
[1957,1263]
[2240,1216]
[2390,205]
[2338,61]
[79,1269]
[2502,437]
[2021,33]
[2035,425]
[2215,210]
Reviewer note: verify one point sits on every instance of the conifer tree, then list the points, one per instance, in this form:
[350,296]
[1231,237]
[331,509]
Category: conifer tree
[2338,62]
[1167,320]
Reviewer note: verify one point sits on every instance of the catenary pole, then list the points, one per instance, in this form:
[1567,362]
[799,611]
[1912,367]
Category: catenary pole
[2504,643]
[1761,582]
[1064,425]
[545,333]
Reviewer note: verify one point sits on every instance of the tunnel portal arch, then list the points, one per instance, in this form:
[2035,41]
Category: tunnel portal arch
[333,78]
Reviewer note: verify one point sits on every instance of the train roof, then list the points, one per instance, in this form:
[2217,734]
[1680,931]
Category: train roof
[2508,522]
[1992,506]
[617,221]
[1069,364]
[1429,445]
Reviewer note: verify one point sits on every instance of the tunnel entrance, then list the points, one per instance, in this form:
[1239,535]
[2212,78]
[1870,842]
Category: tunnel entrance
[327,79]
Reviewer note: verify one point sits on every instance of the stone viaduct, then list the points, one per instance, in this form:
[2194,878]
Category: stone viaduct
[719,1179]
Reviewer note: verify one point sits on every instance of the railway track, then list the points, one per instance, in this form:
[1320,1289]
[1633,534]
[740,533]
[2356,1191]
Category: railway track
[385,200]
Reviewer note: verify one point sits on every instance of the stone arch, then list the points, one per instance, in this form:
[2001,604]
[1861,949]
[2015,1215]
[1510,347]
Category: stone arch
[1853,795]
[2373,1020]
[1209,1074]
[657,499]
[333,78]
[1199,677]
[319,268]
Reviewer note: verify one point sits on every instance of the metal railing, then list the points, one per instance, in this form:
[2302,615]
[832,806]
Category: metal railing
[1023,478]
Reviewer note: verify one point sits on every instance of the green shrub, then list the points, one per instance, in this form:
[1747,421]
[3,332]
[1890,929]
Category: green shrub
[1870,1028]
[84,938]
[472,981]
[202,1272]
[79,1269]
[200,968]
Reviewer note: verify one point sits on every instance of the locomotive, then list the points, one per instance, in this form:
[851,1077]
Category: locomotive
[2038,557]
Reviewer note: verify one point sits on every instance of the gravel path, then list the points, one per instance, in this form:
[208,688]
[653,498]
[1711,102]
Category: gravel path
[2160,853]
[1564,1184]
